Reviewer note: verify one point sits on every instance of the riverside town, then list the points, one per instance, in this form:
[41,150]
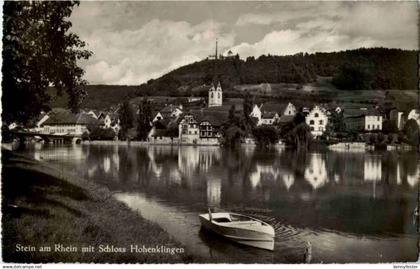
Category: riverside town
[210,132]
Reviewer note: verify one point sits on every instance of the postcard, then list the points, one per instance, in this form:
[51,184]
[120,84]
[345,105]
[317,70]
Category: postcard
[210,132]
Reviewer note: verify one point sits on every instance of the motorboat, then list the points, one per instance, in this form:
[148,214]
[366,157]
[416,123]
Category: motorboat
[239,228]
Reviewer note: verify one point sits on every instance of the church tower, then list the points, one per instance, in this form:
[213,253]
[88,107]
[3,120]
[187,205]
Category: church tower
[215,95]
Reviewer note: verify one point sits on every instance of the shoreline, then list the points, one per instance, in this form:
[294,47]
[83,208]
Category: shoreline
[43,206]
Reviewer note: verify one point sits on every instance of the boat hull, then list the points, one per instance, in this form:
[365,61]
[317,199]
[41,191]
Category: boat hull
[263,239]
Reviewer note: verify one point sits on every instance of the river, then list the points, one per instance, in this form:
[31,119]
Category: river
[351,206]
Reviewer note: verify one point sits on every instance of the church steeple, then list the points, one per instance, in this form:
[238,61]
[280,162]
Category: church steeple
[215,93]
[215,54]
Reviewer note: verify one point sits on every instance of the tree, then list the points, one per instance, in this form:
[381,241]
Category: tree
[389,126]
[232,114]
[232,136]
[99,133]
[144,119]
[354,77]
[247,105]
[412,133]
[247,108]
[300,136]
[39,51]
[265,135]
[126,120]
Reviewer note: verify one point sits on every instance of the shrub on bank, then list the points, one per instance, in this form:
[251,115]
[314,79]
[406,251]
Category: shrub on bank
[102,134]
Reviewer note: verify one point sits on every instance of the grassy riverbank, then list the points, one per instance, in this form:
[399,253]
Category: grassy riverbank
[42,206]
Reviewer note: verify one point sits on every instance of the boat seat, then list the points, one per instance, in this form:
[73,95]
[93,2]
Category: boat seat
[222,220]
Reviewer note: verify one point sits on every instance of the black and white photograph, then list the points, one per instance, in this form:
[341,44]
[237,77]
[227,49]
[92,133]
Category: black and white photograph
[210,132]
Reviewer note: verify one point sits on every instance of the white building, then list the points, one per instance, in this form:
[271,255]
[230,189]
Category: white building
[256,112]
[111,120]
[290,110]
[215,95]
[63,122]
[268,118]
[373,122]
[414,114]
[268,114]
[317,120]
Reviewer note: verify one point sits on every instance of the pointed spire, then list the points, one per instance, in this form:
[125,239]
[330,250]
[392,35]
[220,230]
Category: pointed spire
[215,55]
[219,86]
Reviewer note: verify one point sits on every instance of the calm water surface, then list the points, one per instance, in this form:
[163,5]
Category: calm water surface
[352,207]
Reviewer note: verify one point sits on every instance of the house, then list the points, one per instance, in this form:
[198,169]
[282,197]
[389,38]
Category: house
[169,111]
[317,120]
[201,127]
[373,120]
[269,118]
[158,116]
[110,120]
[355,123]
[215,95]
[165,131]
[256,112]
[62,121]
[269,113]
[363,119]
[414,114]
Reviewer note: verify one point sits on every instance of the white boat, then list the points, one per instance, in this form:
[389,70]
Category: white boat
[240,228]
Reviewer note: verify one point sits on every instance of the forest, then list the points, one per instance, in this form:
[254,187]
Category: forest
[360,69]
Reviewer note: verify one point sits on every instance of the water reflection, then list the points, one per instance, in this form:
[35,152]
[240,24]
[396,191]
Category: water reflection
[316,171]
[342,193]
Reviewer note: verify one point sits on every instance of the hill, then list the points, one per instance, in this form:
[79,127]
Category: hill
[268,75]
[98,96]
[389,68]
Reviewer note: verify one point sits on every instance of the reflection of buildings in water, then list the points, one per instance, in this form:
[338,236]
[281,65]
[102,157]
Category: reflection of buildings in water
[91,171]
[155,167]
[336,178]
[248,150]
[188,160]
[207,157]
[157,170]
[37,151]
[175,176]
[399,179]
[214,191]
[116,160]
[263,171]
[73,152]
[316,171]
[373,168]
[255,179]
[288,180]
[412,180]
[268,172]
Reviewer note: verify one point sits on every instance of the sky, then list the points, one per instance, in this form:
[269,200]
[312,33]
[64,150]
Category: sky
[135,41]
